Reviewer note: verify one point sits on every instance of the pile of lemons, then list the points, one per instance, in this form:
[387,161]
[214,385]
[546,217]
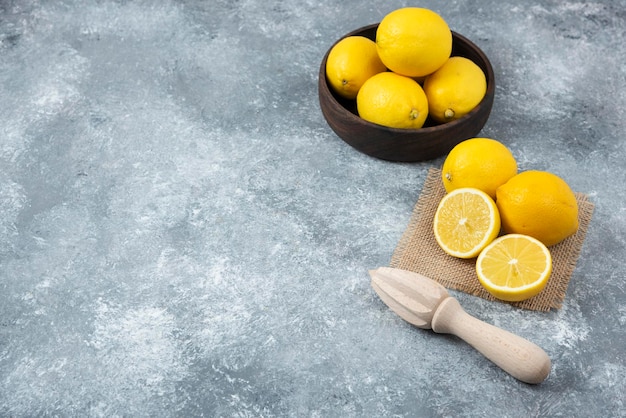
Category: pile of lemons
[407,74]
[506,219]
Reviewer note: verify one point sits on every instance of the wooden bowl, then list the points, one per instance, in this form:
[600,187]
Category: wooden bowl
[407,145]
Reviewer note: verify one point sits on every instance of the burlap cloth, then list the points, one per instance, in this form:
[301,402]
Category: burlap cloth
[418,251]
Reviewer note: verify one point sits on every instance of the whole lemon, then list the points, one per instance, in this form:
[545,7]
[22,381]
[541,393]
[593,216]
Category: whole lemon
[392,100]
[482,163]
[350,62]
[539,204]
[413,41]
[454,89]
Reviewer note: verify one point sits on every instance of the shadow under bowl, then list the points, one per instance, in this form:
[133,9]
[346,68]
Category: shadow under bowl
[405,145]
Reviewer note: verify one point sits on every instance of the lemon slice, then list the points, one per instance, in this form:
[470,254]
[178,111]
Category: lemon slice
[514,267]
[466,221]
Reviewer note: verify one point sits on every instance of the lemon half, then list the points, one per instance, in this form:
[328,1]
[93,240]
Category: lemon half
[514,267]
[465,222]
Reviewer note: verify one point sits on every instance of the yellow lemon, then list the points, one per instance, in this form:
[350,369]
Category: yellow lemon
[539,204]
[483,163]
[413,41]
[456,88]
[466,221]
[514,267]
[392,100]
[350,62]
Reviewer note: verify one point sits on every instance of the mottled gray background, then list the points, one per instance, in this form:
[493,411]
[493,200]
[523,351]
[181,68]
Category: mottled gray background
[181,233]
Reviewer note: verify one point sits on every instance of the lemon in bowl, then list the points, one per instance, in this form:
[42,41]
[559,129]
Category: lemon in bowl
[392,100]
[413,41]
[454,89]
[350,63]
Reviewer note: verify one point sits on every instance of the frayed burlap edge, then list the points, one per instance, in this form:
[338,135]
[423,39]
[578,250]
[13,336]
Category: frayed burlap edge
[418,251]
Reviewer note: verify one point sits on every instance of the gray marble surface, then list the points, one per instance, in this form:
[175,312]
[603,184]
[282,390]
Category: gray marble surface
[181,233]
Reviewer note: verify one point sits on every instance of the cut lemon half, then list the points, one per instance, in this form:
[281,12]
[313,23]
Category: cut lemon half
[514,267]
[466,221]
